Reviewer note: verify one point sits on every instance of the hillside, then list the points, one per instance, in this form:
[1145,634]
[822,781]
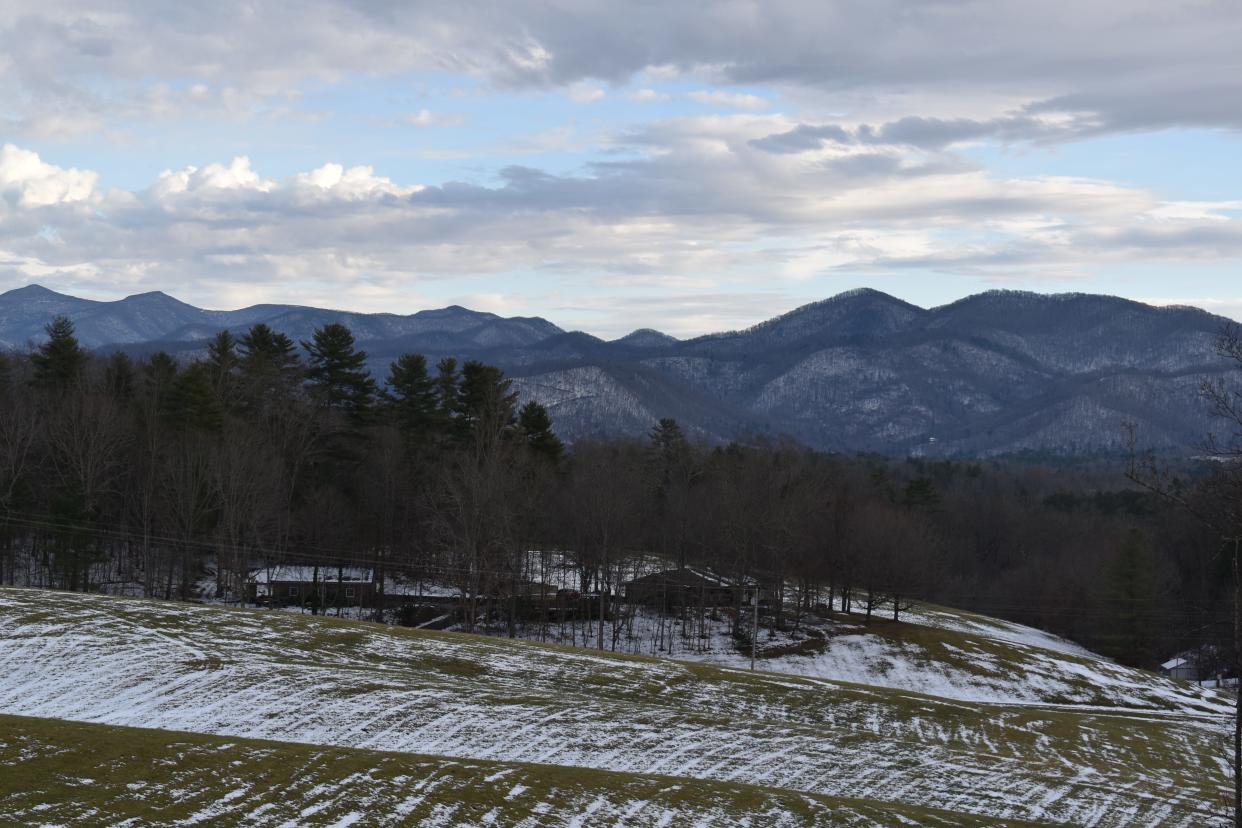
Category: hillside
[83,774]
[996,373]
[343,684]
[948,653]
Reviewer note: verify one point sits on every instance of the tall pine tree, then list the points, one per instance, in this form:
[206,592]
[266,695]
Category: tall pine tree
[411,395]
[61,361]
[536,428]
[337,376]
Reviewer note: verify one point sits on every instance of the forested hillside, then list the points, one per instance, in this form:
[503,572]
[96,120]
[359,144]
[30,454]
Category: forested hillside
[190,480]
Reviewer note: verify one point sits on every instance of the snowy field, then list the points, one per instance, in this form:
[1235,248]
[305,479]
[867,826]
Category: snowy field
[327,682]
[934,651]
[67,773]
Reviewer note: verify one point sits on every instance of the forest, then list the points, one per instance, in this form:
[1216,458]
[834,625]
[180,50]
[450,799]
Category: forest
[151,476]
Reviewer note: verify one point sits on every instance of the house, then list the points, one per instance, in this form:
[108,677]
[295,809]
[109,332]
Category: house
[300,585]
[1183,667]
[685,587]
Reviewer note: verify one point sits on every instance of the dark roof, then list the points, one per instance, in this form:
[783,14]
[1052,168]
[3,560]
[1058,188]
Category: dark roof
[698,579]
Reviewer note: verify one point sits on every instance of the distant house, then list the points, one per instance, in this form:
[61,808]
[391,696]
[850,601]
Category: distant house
[295,585]
[684,587]
[1183,667]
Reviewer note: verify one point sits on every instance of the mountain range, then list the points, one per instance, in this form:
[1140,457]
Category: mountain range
[996,373]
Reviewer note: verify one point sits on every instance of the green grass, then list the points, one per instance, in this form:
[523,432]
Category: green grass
[361,684]
[86,774]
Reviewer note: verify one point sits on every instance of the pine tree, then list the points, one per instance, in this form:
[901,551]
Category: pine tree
[222,364]
[119,376]
[536,428]
[1132,593]
[59,362]
[270,369]
[447,389]
[266,354]
[192,401]
[337,374]
[411,397]
[669,449]
[485,404]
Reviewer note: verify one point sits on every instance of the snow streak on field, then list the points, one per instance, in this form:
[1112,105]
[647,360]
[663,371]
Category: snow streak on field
[69,773]
[292,678]
[943,653]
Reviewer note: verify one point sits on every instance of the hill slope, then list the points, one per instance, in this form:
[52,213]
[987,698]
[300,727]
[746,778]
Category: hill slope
[83,774]
[348,684]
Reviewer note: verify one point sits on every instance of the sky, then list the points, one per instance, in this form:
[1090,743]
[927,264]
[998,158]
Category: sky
[687,166]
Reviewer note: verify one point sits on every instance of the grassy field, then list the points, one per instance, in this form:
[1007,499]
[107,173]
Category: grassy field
[68,773]
[277,676]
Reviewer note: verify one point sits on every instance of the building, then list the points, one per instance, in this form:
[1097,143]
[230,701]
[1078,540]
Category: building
[1183,667]
[686,587]
[298,585]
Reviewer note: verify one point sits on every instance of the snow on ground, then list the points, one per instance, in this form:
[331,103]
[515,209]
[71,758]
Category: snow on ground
[188,779]
[936,651]
[294,678]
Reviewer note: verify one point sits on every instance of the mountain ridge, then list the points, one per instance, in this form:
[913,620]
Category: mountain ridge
[993,373]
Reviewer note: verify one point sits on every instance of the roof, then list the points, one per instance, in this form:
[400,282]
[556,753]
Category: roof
[1174,663]
[690,577]
[306,574]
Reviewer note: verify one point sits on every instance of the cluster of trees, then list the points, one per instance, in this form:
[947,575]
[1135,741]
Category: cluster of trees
[161,478]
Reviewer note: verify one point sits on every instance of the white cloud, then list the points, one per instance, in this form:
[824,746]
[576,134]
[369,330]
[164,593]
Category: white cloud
[647,96]
[687,205]
[733,100]
[585,93]
[236,175]
[38,184]
[426,118]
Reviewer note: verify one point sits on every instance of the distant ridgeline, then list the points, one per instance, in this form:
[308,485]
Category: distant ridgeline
[998,373]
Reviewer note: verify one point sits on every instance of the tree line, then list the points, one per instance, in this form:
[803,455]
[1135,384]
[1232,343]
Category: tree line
[160,477]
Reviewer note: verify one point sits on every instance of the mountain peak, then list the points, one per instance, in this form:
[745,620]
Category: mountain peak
[31,291]
[646,338]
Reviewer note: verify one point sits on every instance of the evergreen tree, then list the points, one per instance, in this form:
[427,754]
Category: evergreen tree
[669,449]
[411,396]
[119,376]
[920,495]
[536,428]
[269,370]
[222,363]
[485,404]
[337,374]
[447,387]
[192,401]
[1132,595]
[268,355]
[59,362]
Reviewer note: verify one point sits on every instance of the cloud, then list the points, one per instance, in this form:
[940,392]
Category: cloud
[585,93]
[1111,65]
[424,118]
[692,204]
[647,96]
[33,183]
[733,100]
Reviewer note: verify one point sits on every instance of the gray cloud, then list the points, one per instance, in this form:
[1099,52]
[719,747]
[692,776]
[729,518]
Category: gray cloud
[1138,64]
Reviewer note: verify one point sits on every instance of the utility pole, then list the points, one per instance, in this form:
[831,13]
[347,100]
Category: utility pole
[754,620]
[1237,710]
